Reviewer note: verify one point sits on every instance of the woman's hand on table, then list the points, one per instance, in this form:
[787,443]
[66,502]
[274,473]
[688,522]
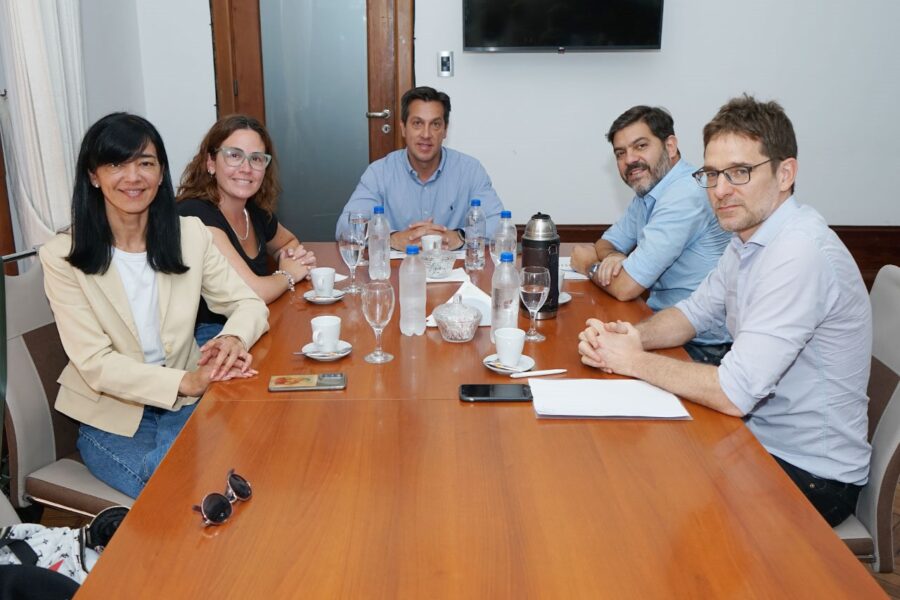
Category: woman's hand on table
[297,261]
[224,354]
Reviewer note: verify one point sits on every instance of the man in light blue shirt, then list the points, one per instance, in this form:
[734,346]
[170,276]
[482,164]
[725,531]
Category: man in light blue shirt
[425,188]
[794,301]
[668,239]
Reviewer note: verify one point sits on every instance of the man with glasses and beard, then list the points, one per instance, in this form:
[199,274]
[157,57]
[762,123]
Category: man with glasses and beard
[668,239]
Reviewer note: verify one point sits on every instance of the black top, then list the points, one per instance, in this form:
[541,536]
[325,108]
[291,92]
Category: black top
[264,225]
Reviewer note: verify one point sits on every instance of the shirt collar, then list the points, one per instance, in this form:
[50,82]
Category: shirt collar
[772,226]
[437,173]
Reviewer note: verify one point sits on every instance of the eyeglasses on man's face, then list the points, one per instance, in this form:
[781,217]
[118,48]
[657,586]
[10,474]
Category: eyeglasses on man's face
[738,175]
[235,157]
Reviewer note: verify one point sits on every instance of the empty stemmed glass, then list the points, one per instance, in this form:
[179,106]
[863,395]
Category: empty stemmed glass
[378,306]
[351,251]
[534,288]
[359,222]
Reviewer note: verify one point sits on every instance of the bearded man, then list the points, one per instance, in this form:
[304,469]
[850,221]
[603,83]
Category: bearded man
[668,239]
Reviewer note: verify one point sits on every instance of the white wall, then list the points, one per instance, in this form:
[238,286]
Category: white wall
[537,121]
[154,59]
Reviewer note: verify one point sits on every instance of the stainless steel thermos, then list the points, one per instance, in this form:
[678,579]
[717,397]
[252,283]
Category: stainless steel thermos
[540,248]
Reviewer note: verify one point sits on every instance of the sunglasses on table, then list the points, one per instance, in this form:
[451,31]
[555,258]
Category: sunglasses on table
[216,508]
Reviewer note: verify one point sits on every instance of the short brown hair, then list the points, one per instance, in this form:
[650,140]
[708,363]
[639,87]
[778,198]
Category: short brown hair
[765,122]
[425,94]
[196,182]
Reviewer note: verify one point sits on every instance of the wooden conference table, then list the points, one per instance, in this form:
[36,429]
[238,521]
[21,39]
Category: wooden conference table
[395,489]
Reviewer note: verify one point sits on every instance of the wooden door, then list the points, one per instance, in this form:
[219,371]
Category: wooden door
[239,72]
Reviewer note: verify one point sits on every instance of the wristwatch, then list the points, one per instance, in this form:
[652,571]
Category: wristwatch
[592,270]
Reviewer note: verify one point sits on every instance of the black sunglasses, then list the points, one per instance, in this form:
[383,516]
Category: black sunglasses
[216,508]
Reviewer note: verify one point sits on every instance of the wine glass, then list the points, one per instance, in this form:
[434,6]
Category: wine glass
[351,251]
[359,222]
[534,288]
[378,306]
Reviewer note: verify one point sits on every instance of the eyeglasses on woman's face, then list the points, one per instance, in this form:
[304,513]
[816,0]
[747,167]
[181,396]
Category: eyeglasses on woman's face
[235,157]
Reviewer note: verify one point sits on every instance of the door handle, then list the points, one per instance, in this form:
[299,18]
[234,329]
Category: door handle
[385,114]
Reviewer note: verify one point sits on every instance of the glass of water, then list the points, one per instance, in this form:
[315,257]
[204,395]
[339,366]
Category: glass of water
[359,223]
[377,307]
[351,251]
[534,288]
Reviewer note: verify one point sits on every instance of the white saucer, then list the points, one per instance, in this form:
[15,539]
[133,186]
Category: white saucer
[526,363]
[310,296]
[311,351]
[564,297]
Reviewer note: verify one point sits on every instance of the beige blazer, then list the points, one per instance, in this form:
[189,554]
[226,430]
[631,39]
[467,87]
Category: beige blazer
[106,383]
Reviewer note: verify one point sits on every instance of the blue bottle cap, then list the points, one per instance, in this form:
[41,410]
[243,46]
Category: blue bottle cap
[506,214]
[411,249]
[475,202]
[378,210]
[506,257]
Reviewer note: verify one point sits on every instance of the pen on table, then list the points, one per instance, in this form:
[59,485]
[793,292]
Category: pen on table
[537,373]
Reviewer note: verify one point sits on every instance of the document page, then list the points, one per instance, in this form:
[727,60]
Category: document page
[604,398]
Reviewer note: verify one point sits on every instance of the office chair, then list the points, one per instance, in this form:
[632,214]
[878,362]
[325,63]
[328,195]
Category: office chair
[44,463]
[868,532]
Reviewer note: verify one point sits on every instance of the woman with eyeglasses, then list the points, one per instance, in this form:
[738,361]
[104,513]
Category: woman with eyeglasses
[124,283]
[231,185]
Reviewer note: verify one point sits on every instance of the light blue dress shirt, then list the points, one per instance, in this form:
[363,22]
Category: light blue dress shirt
[676,240]
[392,182]
[795,303]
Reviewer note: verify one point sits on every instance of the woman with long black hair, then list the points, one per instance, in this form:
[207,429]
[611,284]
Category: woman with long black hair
[124,283]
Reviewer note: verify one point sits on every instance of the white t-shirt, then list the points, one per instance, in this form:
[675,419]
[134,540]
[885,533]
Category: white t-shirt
[139,281]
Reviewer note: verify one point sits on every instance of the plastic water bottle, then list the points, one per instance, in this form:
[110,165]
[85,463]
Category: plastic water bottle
[412,293]
[505,238]
[504,295]
[475,223]
[379,246]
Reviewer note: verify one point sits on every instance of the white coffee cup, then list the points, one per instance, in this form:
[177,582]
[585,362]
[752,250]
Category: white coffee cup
[431,242]
[323,281]
[326,331]
[561,278]
[510,342]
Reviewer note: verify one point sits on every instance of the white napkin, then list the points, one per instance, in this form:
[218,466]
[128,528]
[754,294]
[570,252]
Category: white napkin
[565,267]
[339,277]
[473,296]
[455,275]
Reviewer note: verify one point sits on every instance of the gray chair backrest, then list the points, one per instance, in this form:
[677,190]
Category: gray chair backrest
[875,506]
[37,435]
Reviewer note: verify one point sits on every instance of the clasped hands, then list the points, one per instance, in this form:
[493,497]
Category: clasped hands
[413,235]
[610,346]
[296,260]
[221,358]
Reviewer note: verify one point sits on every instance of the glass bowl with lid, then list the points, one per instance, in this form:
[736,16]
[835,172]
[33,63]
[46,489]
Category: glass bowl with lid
[457,322]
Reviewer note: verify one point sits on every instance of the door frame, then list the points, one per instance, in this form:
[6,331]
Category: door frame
[237,54]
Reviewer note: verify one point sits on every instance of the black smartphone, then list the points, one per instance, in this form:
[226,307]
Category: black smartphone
[495,392]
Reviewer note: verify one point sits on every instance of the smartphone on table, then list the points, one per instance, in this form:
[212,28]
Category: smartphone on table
[495,392]
[307,382]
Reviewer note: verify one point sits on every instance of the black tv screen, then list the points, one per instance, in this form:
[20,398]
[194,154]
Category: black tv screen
[561,25]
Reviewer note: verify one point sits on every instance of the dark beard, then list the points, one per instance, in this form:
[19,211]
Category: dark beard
[657,172]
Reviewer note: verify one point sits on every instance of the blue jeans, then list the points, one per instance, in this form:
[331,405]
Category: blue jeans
[126,463]
[204,332]
[834,500]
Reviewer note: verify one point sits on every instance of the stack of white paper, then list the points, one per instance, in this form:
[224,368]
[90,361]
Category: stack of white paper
[604,398]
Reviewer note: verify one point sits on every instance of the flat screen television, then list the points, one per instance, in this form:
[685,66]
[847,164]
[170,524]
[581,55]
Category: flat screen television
[561,25]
